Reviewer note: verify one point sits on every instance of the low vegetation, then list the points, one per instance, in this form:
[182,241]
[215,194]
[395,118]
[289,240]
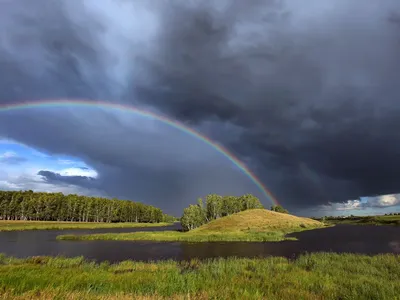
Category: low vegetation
[391,219]
[47,225]
[314,276]
[255,225]
[31,206]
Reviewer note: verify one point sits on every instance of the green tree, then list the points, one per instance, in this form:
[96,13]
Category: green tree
[28,205]
[216,206]
[249,201]
[213,207]
[279,208]
[193,217]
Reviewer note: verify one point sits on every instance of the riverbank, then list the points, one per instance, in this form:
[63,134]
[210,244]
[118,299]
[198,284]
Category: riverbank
[366,220]
[50,225]
[256,225]
[314,276]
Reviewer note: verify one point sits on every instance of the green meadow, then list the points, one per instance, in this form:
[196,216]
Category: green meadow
[366,220]
[313,276]
[48,225]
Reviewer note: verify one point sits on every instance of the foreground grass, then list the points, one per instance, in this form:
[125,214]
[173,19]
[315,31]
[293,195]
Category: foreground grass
[315,276]
[43,225]
[257,225]
[367,220]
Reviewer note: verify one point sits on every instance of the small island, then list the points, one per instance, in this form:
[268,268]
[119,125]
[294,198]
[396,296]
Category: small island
[227,219]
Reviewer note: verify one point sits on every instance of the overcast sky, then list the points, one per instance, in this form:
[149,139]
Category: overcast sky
[305,93]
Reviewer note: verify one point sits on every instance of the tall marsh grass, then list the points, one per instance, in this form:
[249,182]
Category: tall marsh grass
[311,276]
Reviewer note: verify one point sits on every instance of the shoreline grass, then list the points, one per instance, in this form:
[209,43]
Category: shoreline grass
[56,225]
[191,237]
[311,276]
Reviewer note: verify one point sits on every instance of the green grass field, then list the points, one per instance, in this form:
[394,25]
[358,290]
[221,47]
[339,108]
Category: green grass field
[315,276]
[36,225]
[367,220]
[256,225]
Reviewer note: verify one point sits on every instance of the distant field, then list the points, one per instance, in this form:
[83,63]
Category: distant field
[37,225]
[367,220]
[255,225]
[322,276]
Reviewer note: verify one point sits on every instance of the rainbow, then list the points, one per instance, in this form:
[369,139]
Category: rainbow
[144,113]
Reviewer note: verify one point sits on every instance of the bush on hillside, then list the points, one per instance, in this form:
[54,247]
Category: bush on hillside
[280,209]
[216,206]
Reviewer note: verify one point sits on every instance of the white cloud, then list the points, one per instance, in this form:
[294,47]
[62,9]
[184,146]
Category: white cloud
[32,181]
[350,205]
[384,200]
[15,177]
[6,185]
[11,157]
[343,206]
[65,162]
[78,172]
[8,154]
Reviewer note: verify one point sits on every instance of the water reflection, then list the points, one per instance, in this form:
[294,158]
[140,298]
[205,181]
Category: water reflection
[395,246]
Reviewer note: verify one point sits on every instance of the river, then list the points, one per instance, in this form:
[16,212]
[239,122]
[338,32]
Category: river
[366,239]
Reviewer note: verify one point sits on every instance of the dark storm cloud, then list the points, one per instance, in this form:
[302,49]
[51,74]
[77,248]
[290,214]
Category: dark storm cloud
[45,52]
[305,94]
[52,177]
[313,86]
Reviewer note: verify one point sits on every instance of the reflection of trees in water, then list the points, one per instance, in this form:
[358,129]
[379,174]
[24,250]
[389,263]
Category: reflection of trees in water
[395,246]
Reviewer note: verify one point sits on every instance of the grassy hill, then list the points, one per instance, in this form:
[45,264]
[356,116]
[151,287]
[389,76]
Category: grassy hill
[258,220]
[256,225]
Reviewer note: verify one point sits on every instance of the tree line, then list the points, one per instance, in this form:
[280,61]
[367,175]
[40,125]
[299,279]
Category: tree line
[216,206]
[29,205]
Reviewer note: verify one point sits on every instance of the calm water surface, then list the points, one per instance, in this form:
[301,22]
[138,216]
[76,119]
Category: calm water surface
[341,238]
